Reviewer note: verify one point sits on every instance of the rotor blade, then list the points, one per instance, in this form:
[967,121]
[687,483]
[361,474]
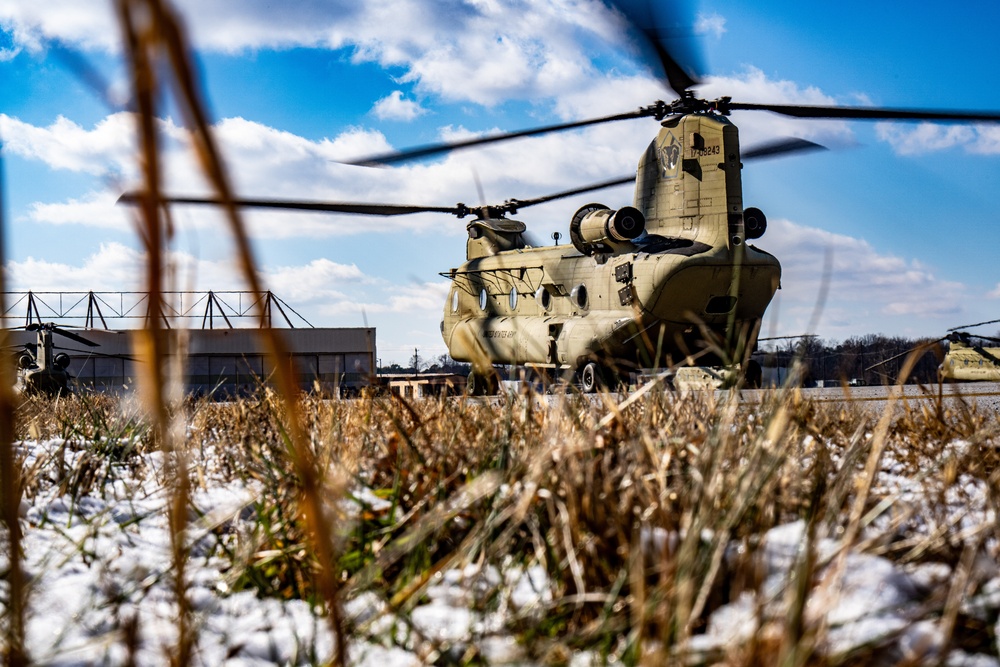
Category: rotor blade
[922,346]
[977,324]
[74,337]
[668,35]
[325,207]
[92,353]
[868,113]
[989,338]
[522,203]
[781,147]
[437,149]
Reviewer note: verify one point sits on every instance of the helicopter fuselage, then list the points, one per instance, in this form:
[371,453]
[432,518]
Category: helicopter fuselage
[554,306]
[678,292]
[971,363]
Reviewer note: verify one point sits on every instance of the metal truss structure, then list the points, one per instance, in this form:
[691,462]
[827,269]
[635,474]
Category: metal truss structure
[93,310]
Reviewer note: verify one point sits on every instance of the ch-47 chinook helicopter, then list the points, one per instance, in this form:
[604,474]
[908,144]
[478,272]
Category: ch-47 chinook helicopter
[968,360]
[667,280]
[40,369]
[965,357]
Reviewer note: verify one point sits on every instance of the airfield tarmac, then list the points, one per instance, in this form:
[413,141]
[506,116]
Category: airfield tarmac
[985,395]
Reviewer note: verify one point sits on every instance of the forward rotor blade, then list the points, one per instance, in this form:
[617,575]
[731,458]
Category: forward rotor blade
[522,203]
[92,353]
[74,337]
[868,113]
[290,204]
[429,150]
[781,147]
[382,209]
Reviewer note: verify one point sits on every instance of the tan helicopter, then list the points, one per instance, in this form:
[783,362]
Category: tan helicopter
[41,370]
[669,280]
[967,359]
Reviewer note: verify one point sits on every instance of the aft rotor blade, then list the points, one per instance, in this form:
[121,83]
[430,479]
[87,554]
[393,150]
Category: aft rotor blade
[74,337]
[868,113]
[668,35]
[429,150]
[291,204]
[521,203]
[781,147]
[977,324]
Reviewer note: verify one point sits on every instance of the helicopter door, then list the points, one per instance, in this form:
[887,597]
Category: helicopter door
[555,330]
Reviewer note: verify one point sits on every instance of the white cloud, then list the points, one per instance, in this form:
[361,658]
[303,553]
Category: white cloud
[321,291]
[394,107]
[752,85]
[422,297]
[91,25]
[96,209]
[66,145]
[867,290]
[484,52]
[710,24]
[115,267]
[932,137]
[319,280]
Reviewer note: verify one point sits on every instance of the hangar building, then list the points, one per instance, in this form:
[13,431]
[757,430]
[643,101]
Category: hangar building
[225,361]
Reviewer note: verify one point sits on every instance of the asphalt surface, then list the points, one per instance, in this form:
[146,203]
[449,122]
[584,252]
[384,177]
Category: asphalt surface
[984,395]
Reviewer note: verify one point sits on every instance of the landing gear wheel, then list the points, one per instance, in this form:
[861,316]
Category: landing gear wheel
[753,376]
[481,385]
[591,378]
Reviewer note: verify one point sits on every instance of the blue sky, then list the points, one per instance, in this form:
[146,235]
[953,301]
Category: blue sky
[905,211]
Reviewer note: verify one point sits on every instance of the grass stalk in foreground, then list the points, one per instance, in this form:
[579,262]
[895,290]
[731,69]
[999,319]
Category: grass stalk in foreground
[165,39]
[14,652]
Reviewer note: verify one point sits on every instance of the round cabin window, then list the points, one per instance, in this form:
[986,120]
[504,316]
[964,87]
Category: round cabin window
[543,298]
[579,295]
[483,299]
[513,298]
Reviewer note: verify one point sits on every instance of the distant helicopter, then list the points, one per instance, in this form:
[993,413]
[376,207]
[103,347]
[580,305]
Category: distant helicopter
[969,361]
[667,281]
[966,359]
[40,369]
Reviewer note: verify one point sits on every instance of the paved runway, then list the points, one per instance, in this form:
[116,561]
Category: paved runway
[986,395]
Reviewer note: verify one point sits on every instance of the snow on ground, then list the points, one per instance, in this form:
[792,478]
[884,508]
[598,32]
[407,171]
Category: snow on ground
[100,565]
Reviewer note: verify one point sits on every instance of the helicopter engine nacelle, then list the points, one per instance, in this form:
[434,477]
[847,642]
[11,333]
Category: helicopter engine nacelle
[62,360]
[596,228]
[754,222]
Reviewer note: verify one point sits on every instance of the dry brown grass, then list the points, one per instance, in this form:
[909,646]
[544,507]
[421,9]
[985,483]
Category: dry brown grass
[631,521]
